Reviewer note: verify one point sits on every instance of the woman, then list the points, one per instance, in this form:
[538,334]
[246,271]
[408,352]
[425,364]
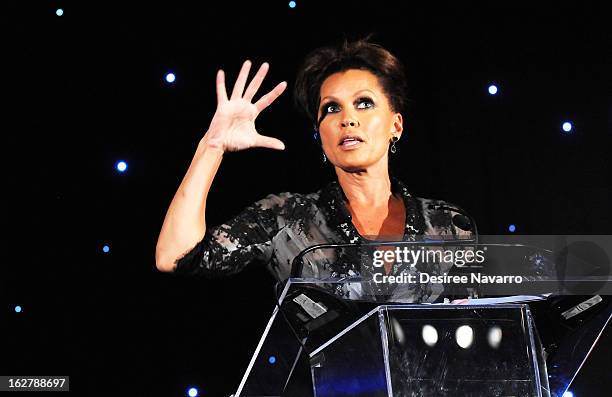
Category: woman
[354,95]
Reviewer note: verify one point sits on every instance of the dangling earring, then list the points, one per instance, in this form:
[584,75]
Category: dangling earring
[317,139]
[393,148]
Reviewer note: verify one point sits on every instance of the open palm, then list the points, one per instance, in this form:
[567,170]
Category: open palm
[233,125]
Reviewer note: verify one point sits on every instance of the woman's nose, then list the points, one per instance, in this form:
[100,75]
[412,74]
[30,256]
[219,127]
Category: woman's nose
[349,122]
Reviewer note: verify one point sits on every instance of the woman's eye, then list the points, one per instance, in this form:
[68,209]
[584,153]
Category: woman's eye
[331,108]
[364,103]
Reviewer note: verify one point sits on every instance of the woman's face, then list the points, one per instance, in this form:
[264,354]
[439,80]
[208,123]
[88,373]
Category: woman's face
[356,120]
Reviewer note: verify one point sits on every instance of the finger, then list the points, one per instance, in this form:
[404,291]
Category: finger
[269,142]
[270,97]
[460,301]
[256,82]
[221,92]
[241,80]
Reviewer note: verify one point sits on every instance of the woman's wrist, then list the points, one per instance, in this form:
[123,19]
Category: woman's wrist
[209,143]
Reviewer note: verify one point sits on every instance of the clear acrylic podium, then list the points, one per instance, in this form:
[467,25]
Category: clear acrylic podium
[433,351]
[344,336]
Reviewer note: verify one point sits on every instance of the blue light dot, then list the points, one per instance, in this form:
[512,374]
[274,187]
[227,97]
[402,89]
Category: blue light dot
[121,166]
[512,228]
[568,394]
[59,12]
[271,359]
[492,89]
[292,4]
[567,126]
[192,392]
[17,309]
[105,249]
[170,77]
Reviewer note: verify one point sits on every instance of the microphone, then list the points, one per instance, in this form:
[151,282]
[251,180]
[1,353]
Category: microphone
[462,222]
[462,219]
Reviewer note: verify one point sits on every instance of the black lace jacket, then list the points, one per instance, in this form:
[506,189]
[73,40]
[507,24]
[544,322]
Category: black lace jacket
[274,230]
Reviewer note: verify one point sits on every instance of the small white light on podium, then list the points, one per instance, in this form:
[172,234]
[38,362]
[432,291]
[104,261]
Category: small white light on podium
[492,89]
[59,12]
[494,337]
[17,309]
[121,166]
[430,335]
[192,392]
[292,4]
[170,78]
[464,336]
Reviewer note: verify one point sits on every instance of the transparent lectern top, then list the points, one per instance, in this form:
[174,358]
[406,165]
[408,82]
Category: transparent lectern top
[337,290]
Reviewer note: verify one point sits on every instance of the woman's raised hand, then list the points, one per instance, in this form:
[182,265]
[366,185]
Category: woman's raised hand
[233,125]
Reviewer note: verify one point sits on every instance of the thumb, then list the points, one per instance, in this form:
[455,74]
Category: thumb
[269,142]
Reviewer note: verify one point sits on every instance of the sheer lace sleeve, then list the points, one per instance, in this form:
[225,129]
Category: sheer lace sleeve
[226,249]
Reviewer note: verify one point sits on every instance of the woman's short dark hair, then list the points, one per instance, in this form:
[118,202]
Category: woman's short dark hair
[361,54]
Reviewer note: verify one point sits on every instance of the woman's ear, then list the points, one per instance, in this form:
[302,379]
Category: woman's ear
[398,125]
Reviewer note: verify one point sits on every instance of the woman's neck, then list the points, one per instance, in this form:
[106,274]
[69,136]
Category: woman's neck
[365,189]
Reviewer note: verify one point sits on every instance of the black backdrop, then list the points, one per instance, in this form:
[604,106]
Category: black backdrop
[87,89]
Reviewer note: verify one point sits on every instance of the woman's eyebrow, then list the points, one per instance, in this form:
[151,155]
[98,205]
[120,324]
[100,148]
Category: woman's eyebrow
[362,91]
[354,95]
[333,98]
